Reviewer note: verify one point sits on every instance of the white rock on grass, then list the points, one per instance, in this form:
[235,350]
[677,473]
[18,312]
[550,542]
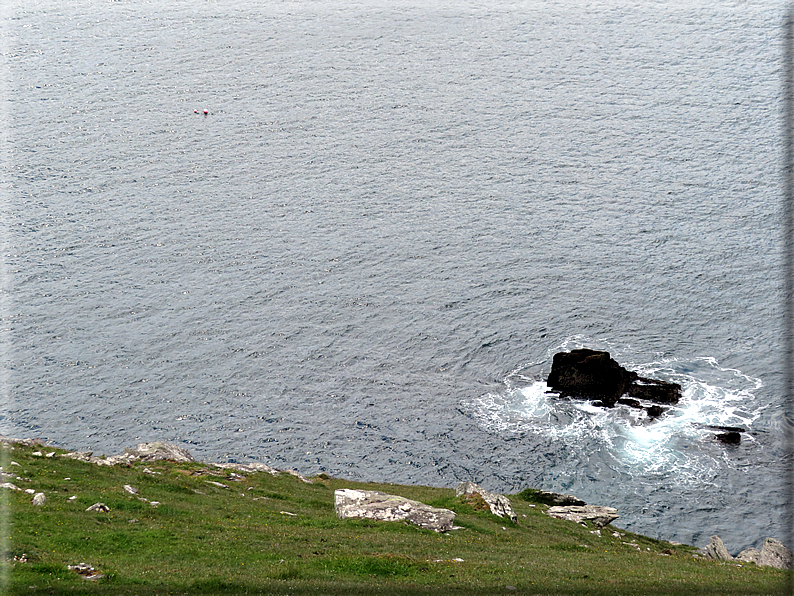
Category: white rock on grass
[498,504]
[370,504]
[598,514]
[39,499]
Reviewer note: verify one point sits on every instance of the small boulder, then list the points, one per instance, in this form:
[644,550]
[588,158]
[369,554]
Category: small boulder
[39,499]
[775,554]
[749,555]
[100,507]
[159,450]
[716,550]
[85,570]
[368,504]
[498,504]
[599,515]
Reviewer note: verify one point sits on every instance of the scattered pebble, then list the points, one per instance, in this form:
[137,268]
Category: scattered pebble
[130,489]
[39,499]
[37,453]
[30,491]
[85,570]
[101,507]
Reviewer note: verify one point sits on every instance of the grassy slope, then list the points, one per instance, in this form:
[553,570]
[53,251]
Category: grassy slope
[203,539]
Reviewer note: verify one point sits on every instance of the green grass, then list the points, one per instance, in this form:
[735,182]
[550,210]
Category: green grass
[204,539]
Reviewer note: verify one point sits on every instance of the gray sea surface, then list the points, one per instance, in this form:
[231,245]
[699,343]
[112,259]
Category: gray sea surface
[363,258]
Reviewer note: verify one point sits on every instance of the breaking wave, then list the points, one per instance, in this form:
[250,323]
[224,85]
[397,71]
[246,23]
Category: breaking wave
[681,442]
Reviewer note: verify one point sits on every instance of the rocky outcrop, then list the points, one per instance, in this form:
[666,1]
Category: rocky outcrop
[549,498]
[159,451]
[772,554]
[592,374]
[498,504]
[368,504]
[749,555]
[716,550]
[775,554]
[260,467]
[599,515]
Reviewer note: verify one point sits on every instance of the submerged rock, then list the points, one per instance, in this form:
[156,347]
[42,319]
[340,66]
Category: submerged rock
[731,438]
[593,374]
[498,504]
[370,504]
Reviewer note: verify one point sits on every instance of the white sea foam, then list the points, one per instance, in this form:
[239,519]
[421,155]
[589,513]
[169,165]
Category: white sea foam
[680,442]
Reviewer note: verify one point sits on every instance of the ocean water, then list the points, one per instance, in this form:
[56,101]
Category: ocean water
[362,260]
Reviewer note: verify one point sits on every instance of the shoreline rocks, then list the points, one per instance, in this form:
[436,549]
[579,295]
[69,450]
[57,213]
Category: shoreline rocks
[773,553]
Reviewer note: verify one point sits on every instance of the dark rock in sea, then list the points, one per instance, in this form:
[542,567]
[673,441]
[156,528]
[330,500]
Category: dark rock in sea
[731,438]
[655,411]
[654,390]
[592,374]
[632,403]
[589,374]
